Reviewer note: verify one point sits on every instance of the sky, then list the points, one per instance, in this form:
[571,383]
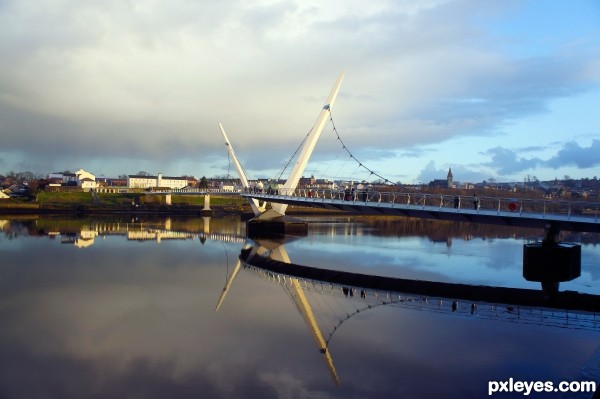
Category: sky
[505,90]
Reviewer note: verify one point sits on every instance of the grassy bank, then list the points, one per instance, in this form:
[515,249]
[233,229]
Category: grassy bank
[85,201]
[82,203]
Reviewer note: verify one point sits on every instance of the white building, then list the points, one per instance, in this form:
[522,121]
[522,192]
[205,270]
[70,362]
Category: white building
[86,180]
[227,187]
[81,178]
[138,181]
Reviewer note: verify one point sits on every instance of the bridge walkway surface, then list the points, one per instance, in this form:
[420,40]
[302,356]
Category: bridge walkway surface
[578,216]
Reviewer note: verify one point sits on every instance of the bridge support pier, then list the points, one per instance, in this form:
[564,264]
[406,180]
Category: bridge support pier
[272,224]
[168,199]
[550,261]
[206,211]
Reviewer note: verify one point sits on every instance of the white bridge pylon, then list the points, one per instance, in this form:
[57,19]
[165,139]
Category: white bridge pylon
[254,204]
[307,150]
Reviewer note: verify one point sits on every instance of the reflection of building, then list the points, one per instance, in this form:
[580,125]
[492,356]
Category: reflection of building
[68,238]
[86,238]
[158,235]
[84,235]
[82,239]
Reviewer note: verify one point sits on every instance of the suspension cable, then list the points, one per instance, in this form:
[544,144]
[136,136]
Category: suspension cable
[360,164]
[293,156]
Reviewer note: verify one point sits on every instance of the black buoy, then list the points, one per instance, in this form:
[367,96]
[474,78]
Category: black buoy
[551,262]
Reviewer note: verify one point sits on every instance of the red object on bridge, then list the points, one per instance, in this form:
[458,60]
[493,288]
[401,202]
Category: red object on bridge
[512,206]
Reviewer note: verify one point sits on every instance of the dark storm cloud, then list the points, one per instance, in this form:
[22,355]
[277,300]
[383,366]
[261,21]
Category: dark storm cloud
[45,136]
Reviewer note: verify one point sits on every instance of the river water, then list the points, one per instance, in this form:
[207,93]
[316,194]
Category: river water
[160,308]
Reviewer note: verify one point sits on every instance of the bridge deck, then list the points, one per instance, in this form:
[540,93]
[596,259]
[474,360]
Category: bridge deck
[582,217]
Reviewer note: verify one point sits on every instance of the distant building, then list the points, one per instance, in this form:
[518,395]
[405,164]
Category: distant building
[111,185]
[86,180]
[159,181]
[227,187]
[87,184]
[306,181]
[111,182]
[69,178]
[192,181]
[82,178]
[441,183]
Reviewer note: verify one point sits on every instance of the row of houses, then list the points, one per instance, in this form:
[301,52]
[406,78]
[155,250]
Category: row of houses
[87,181]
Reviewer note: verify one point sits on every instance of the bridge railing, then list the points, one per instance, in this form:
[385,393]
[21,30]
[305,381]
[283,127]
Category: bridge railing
[363,299]
[458,202]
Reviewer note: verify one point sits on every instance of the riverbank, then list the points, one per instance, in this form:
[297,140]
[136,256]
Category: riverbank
[81,203]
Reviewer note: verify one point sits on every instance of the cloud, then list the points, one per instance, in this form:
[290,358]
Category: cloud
[460,173]
[148,82]
[506,162]
[573,154]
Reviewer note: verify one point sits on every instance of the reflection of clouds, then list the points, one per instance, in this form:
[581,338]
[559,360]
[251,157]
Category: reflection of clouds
[150,321]
[385,263]
[473,261]
[497,262]
[416,348]
[128,319]
[590,259]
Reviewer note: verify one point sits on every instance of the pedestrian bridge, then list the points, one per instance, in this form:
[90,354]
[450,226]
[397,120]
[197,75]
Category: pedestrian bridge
[578,216]
[552,215]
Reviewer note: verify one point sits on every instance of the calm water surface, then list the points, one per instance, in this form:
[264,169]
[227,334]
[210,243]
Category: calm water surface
[126,308]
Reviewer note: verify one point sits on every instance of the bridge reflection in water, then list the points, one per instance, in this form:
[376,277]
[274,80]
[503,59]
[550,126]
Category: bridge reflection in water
[327,299]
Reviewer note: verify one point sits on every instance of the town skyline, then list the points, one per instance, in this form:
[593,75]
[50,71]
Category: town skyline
[24,176]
